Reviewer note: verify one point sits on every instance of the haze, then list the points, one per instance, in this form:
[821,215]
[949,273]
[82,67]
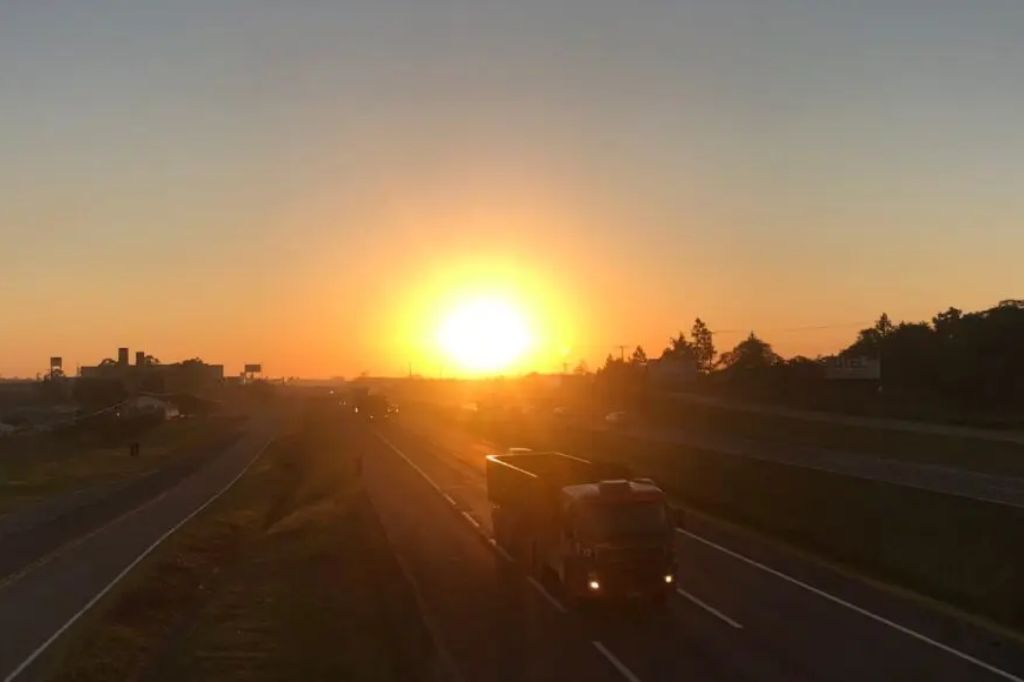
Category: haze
[300,184]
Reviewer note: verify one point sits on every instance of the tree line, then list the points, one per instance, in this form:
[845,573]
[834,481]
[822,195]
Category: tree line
[965,360]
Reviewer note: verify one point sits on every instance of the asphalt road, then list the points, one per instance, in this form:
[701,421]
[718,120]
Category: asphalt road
[61,574]
[1007,490]
[906,425]
[746,610]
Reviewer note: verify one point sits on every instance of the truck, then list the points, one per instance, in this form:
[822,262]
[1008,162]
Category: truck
[586,526]
[374,407]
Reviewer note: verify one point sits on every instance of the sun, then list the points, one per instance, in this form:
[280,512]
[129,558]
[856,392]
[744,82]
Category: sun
[484,334]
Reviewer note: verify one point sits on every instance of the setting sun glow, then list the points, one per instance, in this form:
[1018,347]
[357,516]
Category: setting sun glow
[484,334]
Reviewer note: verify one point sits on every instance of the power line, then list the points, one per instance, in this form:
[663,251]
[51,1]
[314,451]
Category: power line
[841,325]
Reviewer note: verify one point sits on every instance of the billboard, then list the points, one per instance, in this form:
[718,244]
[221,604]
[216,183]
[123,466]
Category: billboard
[56,362]
[253,369]
[853,367]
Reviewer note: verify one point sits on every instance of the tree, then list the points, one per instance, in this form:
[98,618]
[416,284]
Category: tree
[639,357]
[621,380]
[680,349]
[945,323]
[703,346]
[869,341]
[750,354]
[884,326]
[581,368]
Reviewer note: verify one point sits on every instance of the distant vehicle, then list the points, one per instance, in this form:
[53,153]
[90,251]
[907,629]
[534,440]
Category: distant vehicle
[518,451]
[583,524]
[374,407]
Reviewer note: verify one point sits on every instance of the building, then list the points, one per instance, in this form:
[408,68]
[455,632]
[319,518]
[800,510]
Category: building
[147,375]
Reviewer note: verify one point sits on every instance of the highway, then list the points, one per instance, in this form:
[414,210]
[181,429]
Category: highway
[745,610]
[905,425]
[1006,490]
[54,573]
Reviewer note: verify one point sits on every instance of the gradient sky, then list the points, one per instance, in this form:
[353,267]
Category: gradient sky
[276,182]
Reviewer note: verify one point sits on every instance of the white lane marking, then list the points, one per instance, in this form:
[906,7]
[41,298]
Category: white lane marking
[707,607]
[547,595]
[127,569]
[476,524]
[11,579]
[499,549]
[853,607]
[472,521]
[415,466]
[614,660]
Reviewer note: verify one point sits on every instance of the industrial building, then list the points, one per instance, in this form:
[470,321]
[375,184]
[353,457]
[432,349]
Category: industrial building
[147,375]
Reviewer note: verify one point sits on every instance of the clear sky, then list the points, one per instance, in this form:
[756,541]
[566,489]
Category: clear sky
[288,182]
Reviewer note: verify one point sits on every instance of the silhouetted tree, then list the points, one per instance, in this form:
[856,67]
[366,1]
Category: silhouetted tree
[884,325]
[970,359]
[680,349]
[703,346]
[869,341]
[750,354]
[581,368]
[639,357]
[621,379]
[945,323]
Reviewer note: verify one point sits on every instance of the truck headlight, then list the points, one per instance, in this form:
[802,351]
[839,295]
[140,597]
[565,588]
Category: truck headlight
[594,585]
[669,578]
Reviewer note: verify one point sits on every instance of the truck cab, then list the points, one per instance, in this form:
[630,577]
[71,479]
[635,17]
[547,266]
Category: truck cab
[616,540]
[569,519]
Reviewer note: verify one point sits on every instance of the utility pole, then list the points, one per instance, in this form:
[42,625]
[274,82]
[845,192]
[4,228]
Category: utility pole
[622,352]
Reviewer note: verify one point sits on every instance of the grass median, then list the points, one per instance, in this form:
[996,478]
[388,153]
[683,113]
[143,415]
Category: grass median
[287,576]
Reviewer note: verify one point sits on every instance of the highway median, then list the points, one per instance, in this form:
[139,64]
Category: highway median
[287,576]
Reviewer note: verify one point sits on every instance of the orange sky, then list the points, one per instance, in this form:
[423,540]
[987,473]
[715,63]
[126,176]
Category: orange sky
[310,188]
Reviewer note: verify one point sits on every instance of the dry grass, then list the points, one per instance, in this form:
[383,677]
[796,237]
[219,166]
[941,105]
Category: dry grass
[288,576]
[68,466]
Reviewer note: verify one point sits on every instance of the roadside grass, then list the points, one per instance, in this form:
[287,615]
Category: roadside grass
[288,576]
[49,468]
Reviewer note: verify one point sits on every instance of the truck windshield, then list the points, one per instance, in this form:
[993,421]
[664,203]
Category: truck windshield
[606,521]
